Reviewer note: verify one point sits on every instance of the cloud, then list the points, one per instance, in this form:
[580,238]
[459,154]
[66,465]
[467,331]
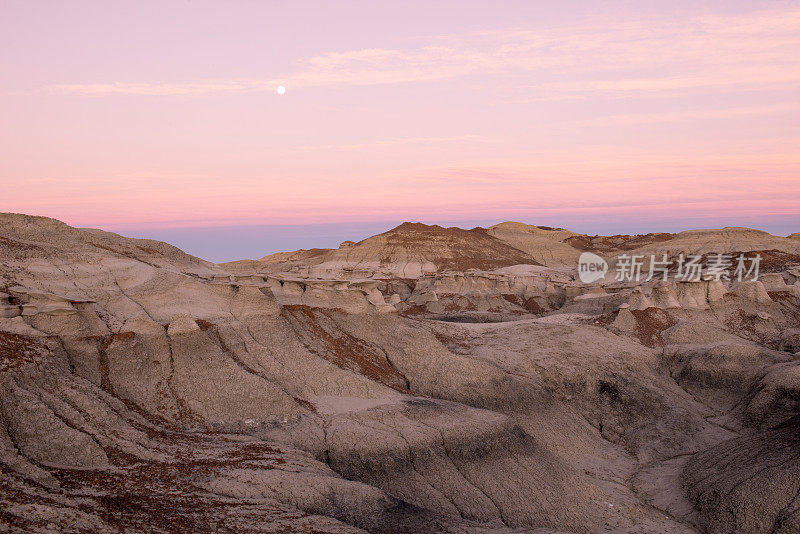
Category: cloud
[753,50]
[693,115]
[167,89]
[397,141]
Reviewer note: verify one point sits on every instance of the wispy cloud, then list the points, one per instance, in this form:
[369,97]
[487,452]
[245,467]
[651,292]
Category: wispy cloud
[755,50]
[694,114]
[167,89]
[397,141]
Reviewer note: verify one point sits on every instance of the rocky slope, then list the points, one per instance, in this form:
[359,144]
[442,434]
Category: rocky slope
[406,252]
[142,389]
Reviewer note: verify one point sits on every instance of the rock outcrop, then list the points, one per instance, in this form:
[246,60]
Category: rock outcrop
[424,380]
[351,296]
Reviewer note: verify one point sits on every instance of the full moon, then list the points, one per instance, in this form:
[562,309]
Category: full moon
[281,90]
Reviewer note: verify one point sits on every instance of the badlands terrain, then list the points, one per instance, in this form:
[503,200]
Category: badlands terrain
[426,380]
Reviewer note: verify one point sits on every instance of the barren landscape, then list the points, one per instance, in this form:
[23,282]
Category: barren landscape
[418,267]
[426,379]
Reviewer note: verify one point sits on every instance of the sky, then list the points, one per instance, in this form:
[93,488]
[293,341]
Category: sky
[162,119]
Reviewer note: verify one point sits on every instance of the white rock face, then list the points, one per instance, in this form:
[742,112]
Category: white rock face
[34,302]
[182,324]
[545,245]
[693,295]
[716,290]
[592,293]
[351,296]
[640,301]
[724,241]
[625,320]
[664,296]
[753,291]
[773,281]
[144,326]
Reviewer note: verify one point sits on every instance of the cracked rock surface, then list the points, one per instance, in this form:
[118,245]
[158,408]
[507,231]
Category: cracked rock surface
[145,390]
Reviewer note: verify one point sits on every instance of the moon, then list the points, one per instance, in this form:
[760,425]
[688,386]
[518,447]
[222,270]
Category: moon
[281,90]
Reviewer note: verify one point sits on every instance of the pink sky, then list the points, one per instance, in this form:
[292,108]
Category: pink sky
[131,115]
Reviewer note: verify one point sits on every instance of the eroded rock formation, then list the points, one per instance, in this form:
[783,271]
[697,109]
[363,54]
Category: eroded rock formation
[142,389]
